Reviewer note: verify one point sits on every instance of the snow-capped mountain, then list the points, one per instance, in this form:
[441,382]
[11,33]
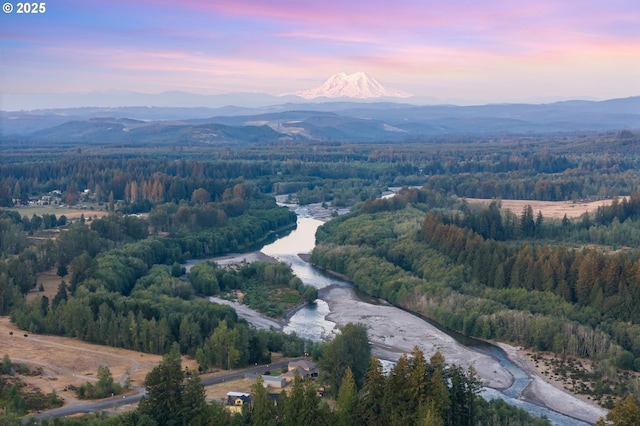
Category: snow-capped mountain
[358,85]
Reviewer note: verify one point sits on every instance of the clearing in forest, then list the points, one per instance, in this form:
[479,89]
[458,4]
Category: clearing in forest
[549,209]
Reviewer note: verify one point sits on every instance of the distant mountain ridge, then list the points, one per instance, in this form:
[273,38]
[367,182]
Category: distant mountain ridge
[328,121]
[357,86]
[125,98]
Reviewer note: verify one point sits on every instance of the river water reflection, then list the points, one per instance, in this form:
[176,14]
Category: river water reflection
[310,321]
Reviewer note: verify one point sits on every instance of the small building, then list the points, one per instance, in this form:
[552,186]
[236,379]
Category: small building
[236,400]
[290,375]
[304,367]
[277,382]
[305,364]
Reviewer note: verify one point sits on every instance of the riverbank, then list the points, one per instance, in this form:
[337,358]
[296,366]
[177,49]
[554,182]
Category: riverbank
[261,322]
[307,258]
[233,259]
[545,392]
[393,332]
[239,258]
[318,211]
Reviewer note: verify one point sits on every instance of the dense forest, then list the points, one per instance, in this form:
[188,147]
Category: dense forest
[424,255]
[568,286]
[557,167]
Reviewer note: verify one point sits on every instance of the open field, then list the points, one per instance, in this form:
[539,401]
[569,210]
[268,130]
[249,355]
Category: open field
[219,391]
[67,361]
[69,212]
[50,281]
[549,209]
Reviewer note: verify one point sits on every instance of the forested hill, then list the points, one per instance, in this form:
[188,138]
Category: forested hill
[333,121]
[531,287]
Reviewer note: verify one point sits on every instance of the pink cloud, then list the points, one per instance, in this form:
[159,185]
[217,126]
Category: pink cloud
[266,45]
[466,15]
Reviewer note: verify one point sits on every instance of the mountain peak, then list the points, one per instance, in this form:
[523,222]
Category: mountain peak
[359,85]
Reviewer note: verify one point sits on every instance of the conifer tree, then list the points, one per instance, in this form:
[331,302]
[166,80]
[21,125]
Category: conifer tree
[293,409]
[625,413]
[263,412]
[370,402]
[397,404]
[193,398]
[350,348]
[347,400]
[61,295]
[165,386]
[438,394]
[418,376]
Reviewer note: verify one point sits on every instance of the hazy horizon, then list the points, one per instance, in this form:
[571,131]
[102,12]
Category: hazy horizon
[460,52]
[114,99]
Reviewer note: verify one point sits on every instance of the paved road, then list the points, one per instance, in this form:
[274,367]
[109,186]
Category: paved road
[113,403]
[250,372]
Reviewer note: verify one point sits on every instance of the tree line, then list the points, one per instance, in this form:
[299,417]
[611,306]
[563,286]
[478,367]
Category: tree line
[575,302]
[512,167]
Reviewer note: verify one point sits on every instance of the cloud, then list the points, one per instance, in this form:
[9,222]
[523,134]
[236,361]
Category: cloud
[285,45]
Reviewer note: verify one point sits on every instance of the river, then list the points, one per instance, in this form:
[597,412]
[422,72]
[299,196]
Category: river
[311,321]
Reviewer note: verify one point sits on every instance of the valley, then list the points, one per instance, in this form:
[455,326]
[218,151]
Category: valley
[431,208]
[526,240]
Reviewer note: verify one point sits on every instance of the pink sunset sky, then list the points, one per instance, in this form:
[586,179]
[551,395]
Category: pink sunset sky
[472,51]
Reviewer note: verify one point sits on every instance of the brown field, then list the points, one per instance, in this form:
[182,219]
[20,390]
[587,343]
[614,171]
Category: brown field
[67,361]
[69,212]
[219,392]
[549,209]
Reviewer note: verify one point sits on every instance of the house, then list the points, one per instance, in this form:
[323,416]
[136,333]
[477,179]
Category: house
[304,367]
[310,368]
[277,382]
[291,374]
[236,400]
